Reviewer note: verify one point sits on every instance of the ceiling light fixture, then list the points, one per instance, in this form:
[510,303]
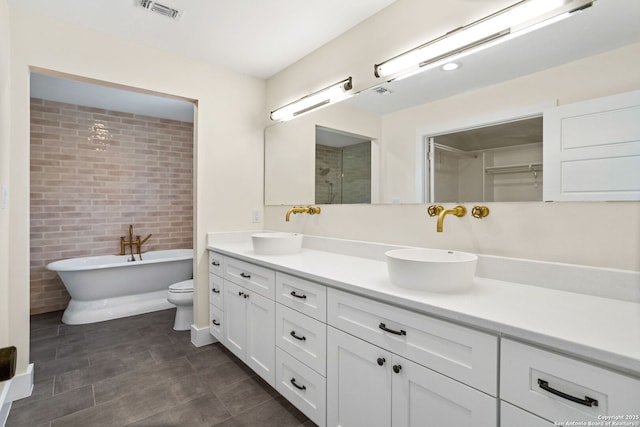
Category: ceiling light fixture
[335,92]
[513,21]
[160,9]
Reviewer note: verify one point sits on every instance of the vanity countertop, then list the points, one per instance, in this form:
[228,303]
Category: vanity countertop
[604,330]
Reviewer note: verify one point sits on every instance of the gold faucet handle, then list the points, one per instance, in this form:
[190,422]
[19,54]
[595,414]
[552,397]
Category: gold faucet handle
[434,210]
[480,212]
[312,210]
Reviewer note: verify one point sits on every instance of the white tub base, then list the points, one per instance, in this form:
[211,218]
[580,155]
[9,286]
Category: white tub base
[80,312]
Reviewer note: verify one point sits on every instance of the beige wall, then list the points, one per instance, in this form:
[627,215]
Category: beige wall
[229,128]
[6,316]
[89,184]
[604,234]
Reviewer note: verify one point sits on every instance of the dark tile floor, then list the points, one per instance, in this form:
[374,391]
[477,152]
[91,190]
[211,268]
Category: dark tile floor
[138,371]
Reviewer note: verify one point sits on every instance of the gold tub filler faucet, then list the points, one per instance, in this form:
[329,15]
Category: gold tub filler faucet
[298,209]
[441,212]
[131,243]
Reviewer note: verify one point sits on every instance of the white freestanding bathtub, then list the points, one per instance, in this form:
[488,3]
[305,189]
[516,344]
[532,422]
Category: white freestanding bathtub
[109,286]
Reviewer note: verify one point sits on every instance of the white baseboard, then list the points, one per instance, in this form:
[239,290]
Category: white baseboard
[5,403]
[22,385]
[18,387]
[201,336]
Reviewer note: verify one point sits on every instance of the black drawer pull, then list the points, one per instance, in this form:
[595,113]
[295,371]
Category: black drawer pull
[215,291]
[215,323]
[293,294]
[302,338]
[396,368]
[245,275]
[587,401]
[246,296]
[384,328]
[240,293]
[215,264]
[299,387]
[381,361]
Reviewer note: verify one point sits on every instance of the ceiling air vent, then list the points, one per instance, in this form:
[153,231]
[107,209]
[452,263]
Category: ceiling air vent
[161,9]
[382,91]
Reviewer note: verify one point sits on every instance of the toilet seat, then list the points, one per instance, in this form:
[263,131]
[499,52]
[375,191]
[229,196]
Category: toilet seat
[183,287]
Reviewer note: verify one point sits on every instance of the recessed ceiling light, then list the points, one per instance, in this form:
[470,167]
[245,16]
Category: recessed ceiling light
[450,66]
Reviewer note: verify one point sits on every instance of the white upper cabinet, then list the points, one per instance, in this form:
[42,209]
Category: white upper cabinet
[592,149]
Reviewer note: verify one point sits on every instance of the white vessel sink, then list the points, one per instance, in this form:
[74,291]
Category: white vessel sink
[276,243]
[433,270]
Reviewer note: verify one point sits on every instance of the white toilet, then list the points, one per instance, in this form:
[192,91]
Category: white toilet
[181,295]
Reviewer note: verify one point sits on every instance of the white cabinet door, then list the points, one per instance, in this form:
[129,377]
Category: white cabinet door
[592,149]
[235,319]
[260,343]
[424,398]
[358,382]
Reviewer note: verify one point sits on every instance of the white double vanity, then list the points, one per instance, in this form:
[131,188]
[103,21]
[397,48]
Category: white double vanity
[328,329]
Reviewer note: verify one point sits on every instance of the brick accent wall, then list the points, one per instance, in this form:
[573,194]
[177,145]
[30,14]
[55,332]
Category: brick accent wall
[94,172]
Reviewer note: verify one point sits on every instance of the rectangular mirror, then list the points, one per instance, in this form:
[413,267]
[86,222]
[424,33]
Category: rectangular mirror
[395,114]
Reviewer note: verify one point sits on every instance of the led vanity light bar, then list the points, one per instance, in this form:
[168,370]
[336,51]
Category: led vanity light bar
[508,23]
[333,93]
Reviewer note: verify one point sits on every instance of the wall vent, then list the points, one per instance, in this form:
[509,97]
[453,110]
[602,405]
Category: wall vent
[160,9]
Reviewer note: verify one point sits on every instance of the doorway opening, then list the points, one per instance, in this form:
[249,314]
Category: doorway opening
[104,157]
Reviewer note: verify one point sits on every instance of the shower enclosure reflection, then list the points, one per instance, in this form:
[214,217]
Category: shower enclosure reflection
[343,167]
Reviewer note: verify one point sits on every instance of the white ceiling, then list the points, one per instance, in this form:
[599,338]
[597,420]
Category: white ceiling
[255,37]
[261,37]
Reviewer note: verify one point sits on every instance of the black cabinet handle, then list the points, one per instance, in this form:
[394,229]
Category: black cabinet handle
[215,291]
[299,387]
[302,338]
[245,275]
[293,294]
[384,328]
[246,296]
[587,401]
[397,368]
[381,361]
[240,293]
[215,323]
[215,264]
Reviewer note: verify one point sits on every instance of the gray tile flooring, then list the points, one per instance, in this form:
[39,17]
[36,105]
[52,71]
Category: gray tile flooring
[138,371]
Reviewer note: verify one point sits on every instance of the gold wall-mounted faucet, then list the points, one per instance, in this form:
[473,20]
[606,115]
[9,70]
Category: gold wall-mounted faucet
[299,209]
[441,212]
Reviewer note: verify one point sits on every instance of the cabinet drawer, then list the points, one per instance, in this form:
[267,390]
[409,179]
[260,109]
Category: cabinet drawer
[303,387]
[545,383]
[253,277]
[302,337]
[215,322]
[302,295]
[216,290]
[511,416]
[461,353]
[216,263]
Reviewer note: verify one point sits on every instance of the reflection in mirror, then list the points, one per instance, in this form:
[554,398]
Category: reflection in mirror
[588,56]
[498,163]
[343,167]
